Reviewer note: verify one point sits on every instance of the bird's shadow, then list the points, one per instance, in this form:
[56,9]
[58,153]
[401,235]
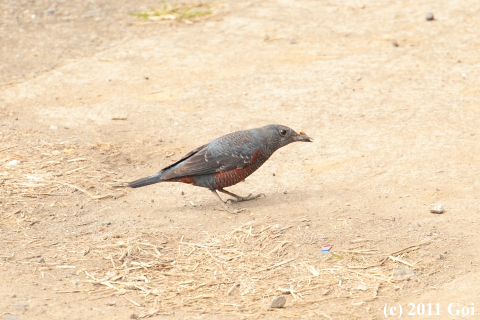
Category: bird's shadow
[268,201]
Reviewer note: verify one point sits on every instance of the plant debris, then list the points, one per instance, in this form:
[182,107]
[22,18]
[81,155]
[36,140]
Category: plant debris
[184,12]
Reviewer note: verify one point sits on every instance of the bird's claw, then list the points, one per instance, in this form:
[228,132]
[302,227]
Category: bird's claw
[247,198]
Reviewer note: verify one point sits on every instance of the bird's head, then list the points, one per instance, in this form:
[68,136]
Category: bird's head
[282,135]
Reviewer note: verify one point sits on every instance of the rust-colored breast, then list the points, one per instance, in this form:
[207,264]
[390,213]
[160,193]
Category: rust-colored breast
[229,178]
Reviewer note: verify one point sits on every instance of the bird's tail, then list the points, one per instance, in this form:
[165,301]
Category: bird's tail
[146,181]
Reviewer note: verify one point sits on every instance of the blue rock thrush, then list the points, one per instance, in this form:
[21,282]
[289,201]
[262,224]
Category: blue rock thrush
[227,160]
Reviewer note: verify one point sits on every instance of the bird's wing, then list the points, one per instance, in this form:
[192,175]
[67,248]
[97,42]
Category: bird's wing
[223,154]
[188,155]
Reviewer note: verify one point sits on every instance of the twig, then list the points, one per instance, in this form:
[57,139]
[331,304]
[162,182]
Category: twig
[131,301]
[11,214]
[74,170]
[276,265]
[77,159]
[196,244]
[6,148]
[400,260]
[229,292]
[79,189]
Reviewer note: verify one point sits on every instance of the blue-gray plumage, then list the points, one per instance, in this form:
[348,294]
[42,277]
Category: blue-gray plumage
[227,160]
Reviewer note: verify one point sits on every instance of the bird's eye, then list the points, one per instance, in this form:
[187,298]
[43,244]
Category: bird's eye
[283,132]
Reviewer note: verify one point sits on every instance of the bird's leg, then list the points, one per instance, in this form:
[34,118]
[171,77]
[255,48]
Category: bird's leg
[240,199]
[228,209]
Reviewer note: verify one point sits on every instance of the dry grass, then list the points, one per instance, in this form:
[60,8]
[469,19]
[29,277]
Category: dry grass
[55,169]
[184,12]
[241,271]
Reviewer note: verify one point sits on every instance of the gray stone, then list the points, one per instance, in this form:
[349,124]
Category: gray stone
[430,16]
[50,11]
[400,272]
[19,307]
[403,272]
[278,302]
[436,208]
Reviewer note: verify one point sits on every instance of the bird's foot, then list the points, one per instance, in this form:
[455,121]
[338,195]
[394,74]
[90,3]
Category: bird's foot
[247,198]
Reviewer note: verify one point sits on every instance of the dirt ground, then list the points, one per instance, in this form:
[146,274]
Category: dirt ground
[92,97]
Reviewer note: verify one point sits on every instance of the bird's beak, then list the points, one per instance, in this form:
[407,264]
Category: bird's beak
[303,137]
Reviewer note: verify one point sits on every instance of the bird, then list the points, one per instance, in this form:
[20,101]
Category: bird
[226,161]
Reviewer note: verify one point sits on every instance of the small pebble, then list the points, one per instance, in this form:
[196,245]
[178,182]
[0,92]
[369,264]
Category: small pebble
[436,208]
[402,272]
[440,257]
[41,260]
[293,41]
[395,43]
[430,16]
[19,307]
[361,287]
[13,163]
[278,302]
[50,11]
[399,272]
[9,316]
[111,303]
[182,193]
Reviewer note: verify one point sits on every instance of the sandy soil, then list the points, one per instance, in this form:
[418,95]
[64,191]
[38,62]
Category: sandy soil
[92,97]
